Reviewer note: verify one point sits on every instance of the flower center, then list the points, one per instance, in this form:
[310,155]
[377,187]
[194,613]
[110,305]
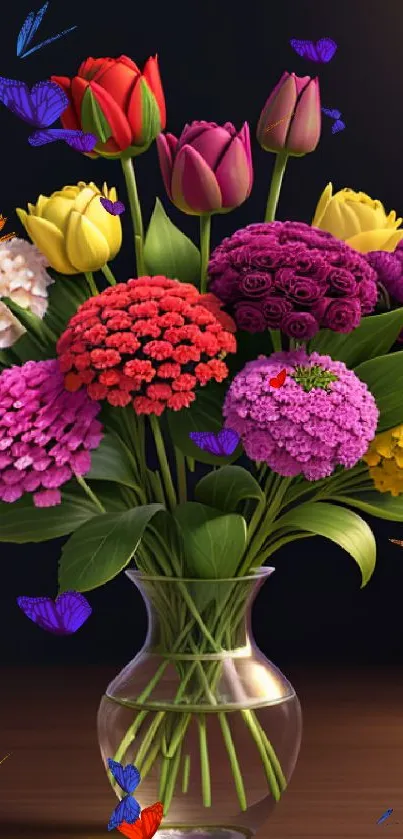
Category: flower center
[315,376]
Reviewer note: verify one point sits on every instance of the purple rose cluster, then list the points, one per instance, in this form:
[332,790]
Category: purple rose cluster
[292,277]
[389,270]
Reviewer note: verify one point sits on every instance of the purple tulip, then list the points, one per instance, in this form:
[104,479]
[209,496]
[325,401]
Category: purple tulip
[208,169]
[291,118]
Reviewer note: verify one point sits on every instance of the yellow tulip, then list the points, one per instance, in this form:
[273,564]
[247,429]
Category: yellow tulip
[72,228]
[358,220]
[385,461]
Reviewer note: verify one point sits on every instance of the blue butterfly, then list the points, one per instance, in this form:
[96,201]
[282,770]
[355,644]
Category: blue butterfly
[128,809]
[40,107]
[333,113]
[29,29]
[385,815]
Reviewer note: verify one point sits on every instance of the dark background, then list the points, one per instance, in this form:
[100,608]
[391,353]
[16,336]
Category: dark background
[219,61]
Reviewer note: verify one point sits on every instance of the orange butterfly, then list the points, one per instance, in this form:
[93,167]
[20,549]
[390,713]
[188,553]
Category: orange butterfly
[8,235]
[397,542]
[279,380]
[146,825]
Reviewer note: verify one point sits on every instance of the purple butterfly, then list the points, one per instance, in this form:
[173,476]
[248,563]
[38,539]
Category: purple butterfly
[128,809]
[322,52]
[41,107]
[115,208]
[221,443]
[333,113]
[29,29]
[62,616]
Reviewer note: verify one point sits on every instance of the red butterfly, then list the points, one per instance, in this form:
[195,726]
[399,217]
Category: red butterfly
[278,380]
[146,825]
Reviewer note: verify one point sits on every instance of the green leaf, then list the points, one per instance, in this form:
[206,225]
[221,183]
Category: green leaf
[168,251]
[339,525]
[213,543]
[34,325]
[382,505]
[204,414]
[65,296]
[110,495]
[384,377]
[109,462]
[227,487]
[26,348]
[373,337]
[102,547]
[21,522]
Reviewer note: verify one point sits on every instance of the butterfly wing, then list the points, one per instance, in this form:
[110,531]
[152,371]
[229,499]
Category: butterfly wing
[385,815]
[337,126]
[128,777]
[48,101]
[16,97]
[326,49]
[128,810]
[332,112]
[73,610]
[306,49]
[146,826]
[48,41]
[207,441]
[228,440]
[107,205]
[29,28]
[42,611]
[81,141]
[114,208]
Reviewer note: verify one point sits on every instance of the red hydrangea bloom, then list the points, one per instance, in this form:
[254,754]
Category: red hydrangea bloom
[149,342]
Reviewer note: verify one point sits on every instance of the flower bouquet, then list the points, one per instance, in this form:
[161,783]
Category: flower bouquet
[192,420]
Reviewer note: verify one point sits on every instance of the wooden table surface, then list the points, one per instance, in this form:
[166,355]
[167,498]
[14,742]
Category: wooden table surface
[349,772]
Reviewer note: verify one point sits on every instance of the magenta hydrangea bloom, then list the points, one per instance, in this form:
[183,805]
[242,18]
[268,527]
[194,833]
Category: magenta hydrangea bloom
[293,277]
[322,417]
[46,432]
[389,270]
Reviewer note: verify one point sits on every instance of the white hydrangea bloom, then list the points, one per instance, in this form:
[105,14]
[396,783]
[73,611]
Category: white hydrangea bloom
[10,328]
[23,275]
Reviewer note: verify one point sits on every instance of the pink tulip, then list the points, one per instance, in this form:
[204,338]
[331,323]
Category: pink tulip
[208,169]
[291,118]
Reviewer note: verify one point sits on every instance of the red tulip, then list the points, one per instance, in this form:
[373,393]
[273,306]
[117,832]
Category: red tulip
[113,99]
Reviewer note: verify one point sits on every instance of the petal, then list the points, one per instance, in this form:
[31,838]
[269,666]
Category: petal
[233,175]
[151,74]
[244,136]
[276,116]
[392,221]
[50,241]
[321,206]
[375,240]
[110,226]
[134,113]
[306,123]
[70,117]
[84,198]
[91,67]
[117,79]
[332,219]
[57,211]
[165,161]
[86,247]
[194,186]
[211,145]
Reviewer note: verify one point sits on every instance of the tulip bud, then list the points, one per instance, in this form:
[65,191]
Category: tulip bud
[291,118]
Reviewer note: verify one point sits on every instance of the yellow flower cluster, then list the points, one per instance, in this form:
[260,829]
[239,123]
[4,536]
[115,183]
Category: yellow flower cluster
[385,460]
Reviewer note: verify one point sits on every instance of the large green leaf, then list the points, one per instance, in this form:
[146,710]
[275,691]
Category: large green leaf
[227,487]
[168,251]
[384,377]
[21,522]
[109,462]
[204,414]
[342,526]
[102,547]
[34,325]
[65,296]
[213,543]
[382,505]
[373,337]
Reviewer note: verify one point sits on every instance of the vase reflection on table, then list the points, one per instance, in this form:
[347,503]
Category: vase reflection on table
[212,725]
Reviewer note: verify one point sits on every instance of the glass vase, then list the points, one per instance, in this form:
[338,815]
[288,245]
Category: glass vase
[213,726]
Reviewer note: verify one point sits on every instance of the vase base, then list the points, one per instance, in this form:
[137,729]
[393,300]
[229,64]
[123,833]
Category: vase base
[207,832]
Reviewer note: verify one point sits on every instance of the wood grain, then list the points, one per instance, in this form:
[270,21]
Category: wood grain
[349,772]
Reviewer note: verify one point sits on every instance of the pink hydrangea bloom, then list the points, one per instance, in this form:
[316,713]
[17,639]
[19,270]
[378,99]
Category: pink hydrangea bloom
[296,430]
[46,432]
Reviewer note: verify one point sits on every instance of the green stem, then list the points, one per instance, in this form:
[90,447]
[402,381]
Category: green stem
[181,476]
[268,768]
[88,491]
[275,185]
[91,283]
[186,774]
[108,274]
[163,461]
[204,760]
[275,336]
[234,763]
[135,210]
[205,229]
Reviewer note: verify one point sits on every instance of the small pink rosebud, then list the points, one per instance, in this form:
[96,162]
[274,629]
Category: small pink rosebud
[291,118]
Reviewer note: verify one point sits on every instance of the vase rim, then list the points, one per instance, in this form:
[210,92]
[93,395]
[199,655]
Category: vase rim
[258,573]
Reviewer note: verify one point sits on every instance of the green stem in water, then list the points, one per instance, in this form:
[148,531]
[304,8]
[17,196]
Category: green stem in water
[186,774]
[108,274]
[135,210]
[88,491]
[275,185]
[275,336]
[205,229]
[236,770]
[163,461]
[91,283]
[204,760]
